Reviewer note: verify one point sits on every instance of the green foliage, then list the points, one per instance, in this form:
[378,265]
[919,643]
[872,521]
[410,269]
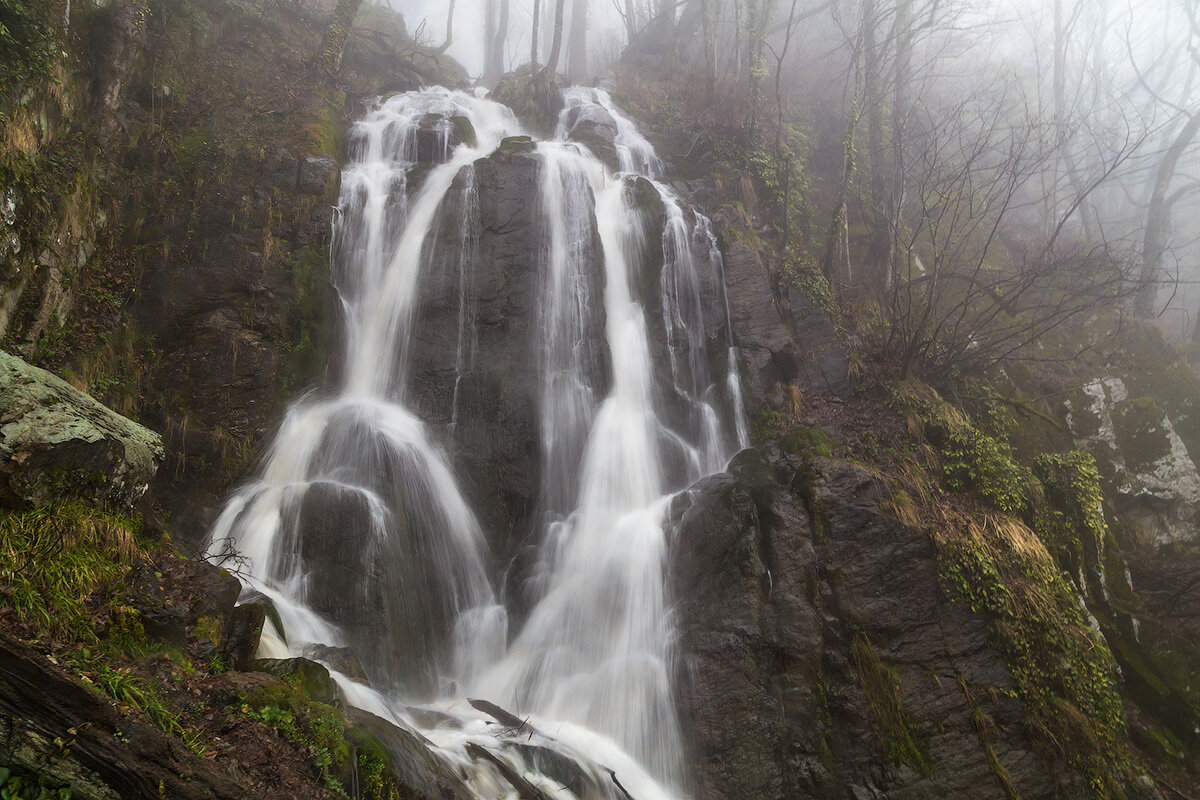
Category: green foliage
[972,459]
[802,272]
[893,723]
[1063,669]
[1074,490]
[26,42]
[120,685]
[18,786]
[314,725]
[374,775]
[996,564]
[975,460]
[52,559]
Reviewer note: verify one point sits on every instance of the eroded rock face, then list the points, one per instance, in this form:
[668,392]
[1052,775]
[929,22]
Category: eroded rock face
[474,377]
[57,442]
[778,599]
[1139,452]
[783,339]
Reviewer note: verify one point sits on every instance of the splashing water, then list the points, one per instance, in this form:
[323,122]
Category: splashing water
[357,530]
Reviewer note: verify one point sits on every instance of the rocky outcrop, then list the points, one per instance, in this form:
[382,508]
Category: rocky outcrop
[475,377]
[57,442]
[820,657]
[1151,474]
[784,339]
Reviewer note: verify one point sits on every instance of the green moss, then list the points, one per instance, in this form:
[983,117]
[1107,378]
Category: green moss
[893,724]
[1064,671]
[465,130]
[809,442]
[326,133]
[317,726]
[209,629]
[983,724]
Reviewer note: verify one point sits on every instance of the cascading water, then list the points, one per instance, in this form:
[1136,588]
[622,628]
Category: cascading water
[357,530]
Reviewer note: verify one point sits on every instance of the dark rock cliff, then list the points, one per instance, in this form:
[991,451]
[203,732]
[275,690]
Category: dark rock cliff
[820,656]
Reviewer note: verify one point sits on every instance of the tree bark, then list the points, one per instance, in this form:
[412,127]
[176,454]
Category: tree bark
[879,246]
[337,32]
[533,36]
[903,74]
[551,67]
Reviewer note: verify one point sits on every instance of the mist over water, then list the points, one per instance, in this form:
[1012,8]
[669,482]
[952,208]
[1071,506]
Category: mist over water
[357,529]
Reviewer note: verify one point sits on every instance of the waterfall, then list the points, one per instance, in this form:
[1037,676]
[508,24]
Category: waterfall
[357,528]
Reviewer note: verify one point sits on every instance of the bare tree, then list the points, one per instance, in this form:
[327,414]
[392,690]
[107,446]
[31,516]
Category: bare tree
[551,68]
[1155,240]
[495,39]
[577,42]
[445,45]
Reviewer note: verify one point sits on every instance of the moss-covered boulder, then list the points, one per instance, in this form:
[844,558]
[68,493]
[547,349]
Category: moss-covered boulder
[57,442]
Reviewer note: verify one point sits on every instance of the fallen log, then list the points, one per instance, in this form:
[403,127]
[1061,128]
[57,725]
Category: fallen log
[525,789]
[507,718]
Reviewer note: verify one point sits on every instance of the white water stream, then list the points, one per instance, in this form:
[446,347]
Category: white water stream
[357,529]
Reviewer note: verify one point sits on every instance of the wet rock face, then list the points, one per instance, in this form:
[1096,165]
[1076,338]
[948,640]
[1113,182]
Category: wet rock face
[475,348]
[783,339]
[57,443]
[785,608]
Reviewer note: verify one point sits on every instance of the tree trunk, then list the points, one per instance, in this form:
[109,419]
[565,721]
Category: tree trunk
[1158,219]
[551,67]
[708,29]
[337,32]
[449,29]
[903,74]
[495,37]
[577,56]
[533,36]
[879,246]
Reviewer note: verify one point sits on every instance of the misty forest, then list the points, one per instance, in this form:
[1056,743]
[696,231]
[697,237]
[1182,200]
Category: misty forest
[600,399]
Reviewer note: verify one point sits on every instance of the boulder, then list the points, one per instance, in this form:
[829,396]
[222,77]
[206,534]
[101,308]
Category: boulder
[309,675]
[57,442]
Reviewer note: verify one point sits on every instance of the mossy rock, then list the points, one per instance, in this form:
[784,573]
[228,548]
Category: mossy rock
[309,676]
[808,442]
[57,443]
[465,130]
[518,144]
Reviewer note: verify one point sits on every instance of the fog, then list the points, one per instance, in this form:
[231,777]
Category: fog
[427,19]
